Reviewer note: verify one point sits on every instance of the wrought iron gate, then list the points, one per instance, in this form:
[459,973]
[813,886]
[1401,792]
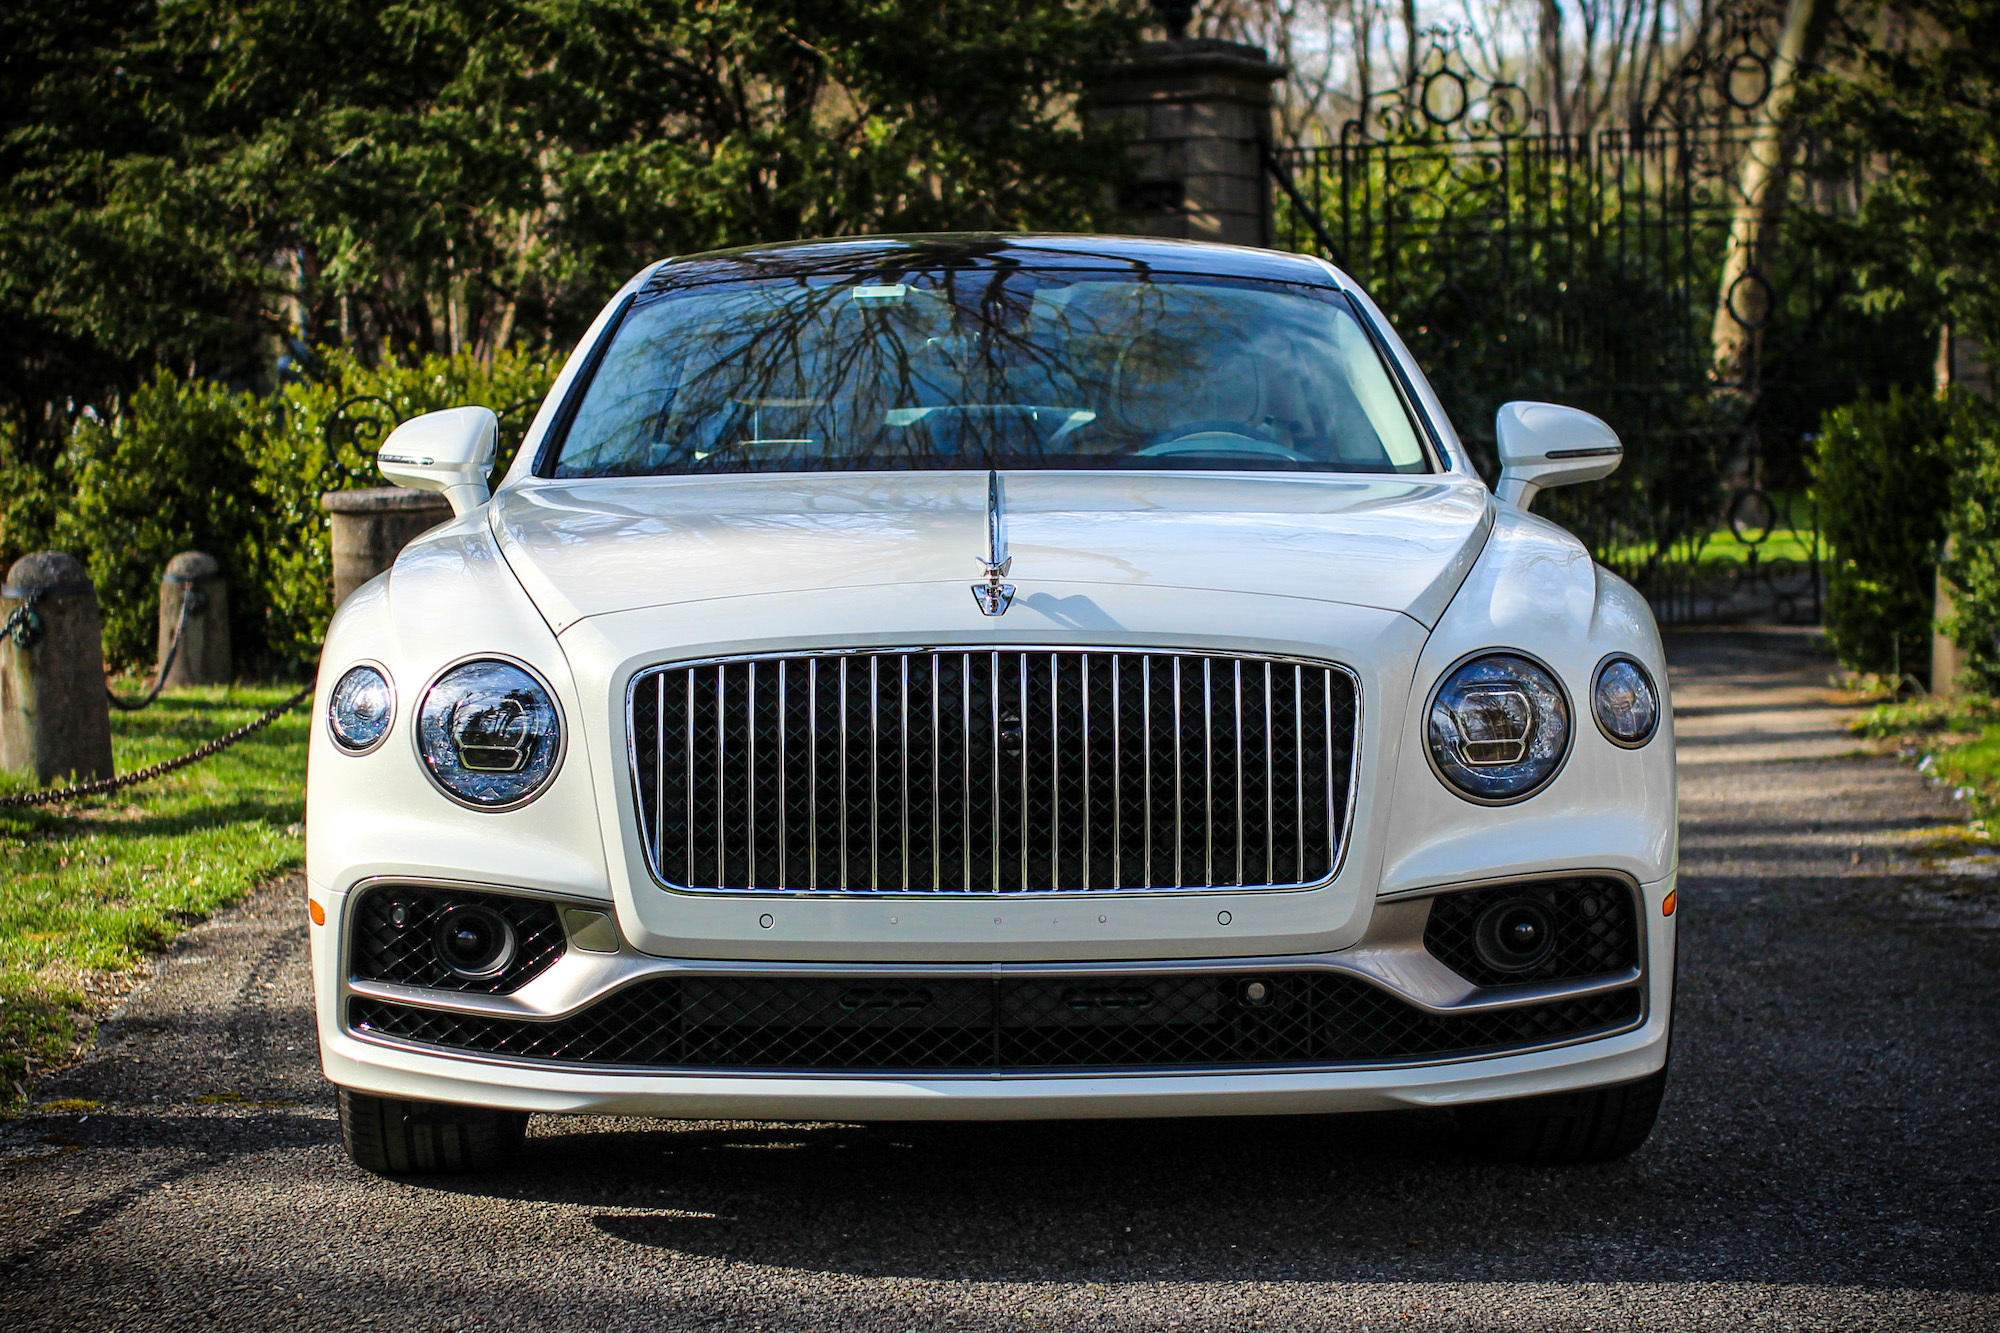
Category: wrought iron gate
[1523,262]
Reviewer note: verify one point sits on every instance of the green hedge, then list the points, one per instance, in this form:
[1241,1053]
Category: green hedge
[173,474]
[1973,525]
[192,465]
[1881,479]
[311,449]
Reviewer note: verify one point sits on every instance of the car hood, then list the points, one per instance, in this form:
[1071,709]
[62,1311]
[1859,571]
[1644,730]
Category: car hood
[586,548]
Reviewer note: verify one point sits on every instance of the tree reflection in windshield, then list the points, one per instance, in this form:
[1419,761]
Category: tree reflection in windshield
[990,368]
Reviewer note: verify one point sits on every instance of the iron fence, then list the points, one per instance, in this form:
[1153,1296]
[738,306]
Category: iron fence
[1521,261]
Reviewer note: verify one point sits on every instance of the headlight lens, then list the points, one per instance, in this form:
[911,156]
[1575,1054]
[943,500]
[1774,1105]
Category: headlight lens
[1499,728]
[489,734]
[1625,702]
[360,709]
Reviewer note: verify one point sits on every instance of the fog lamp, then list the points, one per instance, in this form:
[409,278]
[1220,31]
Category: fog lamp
[1514,936]
[475,942]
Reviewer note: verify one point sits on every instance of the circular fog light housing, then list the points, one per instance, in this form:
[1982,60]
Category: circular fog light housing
[475,942]
[1498,728]
[489,734]
[1623,700]
[360,708]
[1514,936]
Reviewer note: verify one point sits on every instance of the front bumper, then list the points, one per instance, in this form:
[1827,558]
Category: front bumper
[1390,960]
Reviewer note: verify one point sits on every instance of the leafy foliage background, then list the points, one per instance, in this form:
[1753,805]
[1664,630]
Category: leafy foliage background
[1882,478]
[1973,562]
[195,465]
[219,218]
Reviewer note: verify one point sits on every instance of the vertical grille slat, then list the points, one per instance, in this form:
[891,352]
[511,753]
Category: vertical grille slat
[993,772]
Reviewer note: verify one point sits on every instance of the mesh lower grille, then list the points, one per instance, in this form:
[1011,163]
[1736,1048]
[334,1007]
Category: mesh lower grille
[1003,1025]
[1596,930]
[993,772]
[395,938]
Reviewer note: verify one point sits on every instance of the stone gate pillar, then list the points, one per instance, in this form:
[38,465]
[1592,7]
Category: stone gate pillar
[1199,115]
[372,526]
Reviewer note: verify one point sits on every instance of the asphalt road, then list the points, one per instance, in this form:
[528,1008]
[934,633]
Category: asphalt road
[1827,1157]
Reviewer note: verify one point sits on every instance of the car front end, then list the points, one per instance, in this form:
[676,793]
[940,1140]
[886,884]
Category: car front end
[746,793]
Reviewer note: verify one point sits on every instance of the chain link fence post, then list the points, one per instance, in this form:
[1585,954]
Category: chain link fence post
[54,720]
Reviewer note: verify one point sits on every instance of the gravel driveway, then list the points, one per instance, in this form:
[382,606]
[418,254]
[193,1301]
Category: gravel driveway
[1827,1157]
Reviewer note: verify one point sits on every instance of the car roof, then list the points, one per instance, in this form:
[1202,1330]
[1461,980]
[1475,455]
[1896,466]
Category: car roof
[886,256]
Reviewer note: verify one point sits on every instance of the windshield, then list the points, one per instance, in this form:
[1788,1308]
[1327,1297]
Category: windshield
[1010,368]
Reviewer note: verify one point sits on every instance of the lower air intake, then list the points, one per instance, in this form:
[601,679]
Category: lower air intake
[1001,1025]
[1594,920]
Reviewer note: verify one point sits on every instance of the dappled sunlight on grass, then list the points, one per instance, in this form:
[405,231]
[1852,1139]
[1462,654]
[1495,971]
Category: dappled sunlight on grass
[89,888]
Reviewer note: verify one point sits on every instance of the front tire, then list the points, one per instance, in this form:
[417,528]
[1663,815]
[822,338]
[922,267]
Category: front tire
[1563,1128]
[393,1138]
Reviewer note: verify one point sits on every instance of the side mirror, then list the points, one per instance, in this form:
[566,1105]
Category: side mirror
[1543,445]
[449,451]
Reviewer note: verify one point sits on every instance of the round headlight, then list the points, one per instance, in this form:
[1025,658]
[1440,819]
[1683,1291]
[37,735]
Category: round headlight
[1625,703]
[489,734]
[360,709]
[1498,728]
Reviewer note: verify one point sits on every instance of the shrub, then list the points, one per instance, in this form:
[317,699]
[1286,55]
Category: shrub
[28,503]
[171,475]
[191,465]
[1881,479]
[325,441]
[1973,526]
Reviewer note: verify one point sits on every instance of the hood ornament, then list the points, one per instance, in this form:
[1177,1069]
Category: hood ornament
[993,596]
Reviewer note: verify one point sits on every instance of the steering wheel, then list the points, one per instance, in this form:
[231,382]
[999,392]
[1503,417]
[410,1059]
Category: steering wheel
[1219,437]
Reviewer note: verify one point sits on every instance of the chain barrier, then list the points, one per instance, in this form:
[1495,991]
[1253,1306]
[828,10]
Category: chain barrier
[24,624]
[188,605]
[102,786]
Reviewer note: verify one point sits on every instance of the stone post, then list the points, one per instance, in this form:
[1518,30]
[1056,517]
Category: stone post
[1946,661]
[1199,115]
[1961,364]
[195,579]
[371,526]
[54,718]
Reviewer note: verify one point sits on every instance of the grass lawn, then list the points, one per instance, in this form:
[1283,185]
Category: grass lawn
[1723,549]
[1791,538]
[90,889]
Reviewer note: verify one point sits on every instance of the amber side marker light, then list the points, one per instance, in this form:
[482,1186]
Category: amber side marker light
[1666,905]
[318,913]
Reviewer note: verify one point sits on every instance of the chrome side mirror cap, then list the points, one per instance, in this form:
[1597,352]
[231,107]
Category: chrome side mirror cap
[1544,445]
[450,452]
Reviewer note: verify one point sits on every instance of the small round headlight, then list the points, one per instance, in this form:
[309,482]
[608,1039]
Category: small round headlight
[1498,728]
[489,734]
[1625,703]
[360,709]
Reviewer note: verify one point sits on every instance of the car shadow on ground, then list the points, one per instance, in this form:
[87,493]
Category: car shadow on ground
[1380,1197]
[1220,1199]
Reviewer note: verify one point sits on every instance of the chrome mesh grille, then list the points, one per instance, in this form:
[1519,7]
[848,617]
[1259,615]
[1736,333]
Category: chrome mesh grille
[989,771]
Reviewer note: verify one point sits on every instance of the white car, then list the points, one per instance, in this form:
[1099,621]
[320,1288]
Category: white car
[980,677]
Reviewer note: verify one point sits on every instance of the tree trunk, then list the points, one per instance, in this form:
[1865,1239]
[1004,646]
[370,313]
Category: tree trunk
[1743,298]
